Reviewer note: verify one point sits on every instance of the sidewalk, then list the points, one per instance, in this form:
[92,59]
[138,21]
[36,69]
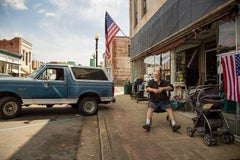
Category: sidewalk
[122,136]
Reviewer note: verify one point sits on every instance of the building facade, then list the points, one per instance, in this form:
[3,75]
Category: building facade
[10,62]
[119,64]
[36,64]
[22,47]
[193,32]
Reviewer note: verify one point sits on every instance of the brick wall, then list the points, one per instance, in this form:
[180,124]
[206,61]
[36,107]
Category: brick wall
[10,45]
[120,60]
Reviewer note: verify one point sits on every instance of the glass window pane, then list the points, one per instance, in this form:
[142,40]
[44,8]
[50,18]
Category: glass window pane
[227,40]
[89,73]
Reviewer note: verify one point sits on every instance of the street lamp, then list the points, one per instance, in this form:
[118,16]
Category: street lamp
[96,38]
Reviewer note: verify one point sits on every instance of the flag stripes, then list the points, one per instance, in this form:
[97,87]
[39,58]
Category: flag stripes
[230,65]
[111,29]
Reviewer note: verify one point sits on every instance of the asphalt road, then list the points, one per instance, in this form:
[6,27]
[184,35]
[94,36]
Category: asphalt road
[57,133]
[41,133]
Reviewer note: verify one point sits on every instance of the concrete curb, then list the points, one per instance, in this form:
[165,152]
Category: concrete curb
[105,145]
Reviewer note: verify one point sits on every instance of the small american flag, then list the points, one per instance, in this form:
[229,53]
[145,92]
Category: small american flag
[237,62]
[111,29]
[231,75]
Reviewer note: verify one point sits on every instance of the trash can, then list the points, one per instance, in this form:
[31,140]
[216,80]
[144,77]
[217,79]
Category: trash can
[229,106]
[127,88]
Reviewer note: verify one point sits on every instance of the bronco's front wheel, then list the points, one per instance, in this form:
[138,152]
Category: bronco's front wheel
[88,106]
[10,107]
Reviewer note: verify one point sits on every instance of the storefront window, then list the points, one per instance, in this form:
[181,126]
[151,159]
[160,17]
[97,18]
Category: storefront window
[158,62]
[226,39]
[238,33]
[2,68]
[180,66]
[165,65]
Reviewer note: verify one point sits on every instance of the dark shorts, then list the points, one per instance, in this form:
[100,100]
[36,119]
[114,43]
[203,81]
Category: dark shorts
[156,106]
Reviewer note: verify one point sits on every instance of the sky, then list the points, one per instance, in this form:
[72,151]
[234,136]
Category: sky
[62,30]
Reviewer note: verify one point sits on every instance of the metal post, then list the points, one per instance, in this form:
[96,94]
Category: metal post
[96,38]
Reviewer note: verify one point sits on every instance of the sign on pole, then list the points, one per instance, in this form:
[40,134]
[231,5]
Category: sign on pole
[92,62]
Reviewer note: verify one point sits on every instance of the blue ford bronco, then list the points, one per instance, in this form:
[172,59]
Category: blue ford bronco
[82,87]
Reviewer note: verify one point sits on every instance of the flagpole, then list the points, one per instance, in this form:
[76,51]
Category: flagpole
[122,32]
[229,53]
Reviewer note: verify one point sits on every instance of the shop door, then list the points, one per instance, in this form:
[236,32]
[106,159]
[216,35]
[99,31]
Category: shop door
[192,67]
[211,66]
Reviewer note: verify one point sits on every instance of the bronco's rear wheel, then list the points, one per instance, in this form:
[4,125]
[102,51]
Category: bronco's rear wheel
[88,106]
[10,107]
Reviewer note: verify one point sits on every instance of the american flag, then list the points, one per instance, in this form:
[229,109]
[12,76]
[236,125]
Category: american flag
[111,29]
[231,74]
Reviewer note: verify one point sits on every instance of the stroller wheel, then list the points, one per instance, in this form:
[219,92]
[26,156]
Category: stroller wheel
[190,131]
[207,139]
[227,138]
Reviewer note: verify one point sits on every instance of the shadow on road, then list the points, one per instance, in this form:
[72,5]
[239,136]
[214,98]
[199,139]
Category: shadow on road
[42,112]
[42,133]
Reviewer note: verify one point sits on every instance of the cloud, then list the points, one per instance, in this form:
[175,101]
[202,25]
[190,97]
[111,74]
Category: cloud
[47,14]
[37,5]
[41,11]
[15,4]
[69,33]
[72,31]
[90,10]
[9,34]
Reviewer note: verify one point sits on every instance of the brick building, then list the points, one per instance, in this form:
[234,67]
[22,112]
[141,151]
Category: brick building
[22,47]
[119,64]
[36,64]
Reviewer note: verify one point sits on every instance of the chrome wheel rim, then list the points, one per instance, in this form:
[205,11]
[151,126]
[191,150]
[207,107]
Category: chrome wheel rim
[10,108]
[89,106]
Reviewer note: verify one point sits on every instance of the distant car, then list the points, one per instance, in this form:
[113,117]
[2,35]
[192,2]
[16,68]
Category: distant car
[3,75]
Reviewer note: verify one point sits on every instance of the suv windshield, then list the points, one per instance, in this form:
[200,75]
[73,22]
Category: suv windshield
[33,74]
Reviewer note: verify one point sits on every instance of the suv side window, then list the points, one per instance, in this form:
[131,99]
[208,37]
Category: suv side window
[52,74]
[89,74]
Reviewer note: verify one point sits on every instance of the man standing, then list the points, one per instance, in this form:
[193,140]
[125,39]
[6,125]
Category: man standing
[159,100]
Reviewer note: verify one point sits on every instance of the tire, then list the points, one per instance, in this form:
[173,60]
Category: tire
[10,107]
[88,106]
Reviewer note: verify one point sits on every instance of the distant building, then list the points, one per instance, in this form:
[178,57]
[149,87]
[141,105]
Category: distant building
[36,64]
[23,48]
[10,62]
[119,64]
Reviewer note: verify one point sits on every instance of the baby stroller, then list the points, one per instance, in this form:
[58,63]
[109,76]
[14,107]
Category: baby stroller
[209,119]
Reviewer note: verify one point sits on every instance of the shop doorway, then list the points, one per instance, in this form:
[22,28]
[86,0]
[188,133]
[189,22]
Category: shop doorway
[211,66]
[192,67]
